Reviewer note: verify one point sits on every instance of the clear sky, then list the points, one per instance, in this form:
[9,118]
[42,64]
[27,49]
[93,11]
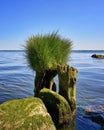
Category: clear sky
[82,21]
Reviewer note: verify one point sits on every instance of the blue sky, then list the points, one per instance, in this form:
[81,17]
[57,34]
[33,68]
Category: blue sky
[82,21]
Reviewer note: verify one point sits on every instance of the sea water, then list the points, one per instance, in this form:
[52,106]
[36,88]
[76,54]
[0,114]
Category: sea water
[17,81]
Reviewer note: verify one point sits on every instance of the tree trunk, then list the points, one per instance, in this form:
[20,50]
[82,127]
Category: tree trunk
[44,80]
[67,84]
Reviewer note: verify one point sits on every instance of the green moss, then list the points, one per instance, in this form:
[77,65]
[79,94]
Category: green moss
[29,113]
[56,105]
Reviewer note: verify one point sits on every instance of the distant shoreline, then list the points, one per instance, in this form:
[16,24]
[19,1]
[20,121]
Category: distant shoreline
[72,50]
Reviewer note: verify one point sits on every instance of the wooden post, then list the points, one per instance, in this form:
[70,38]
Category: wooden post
[44,80]
[67,84]
[38,82]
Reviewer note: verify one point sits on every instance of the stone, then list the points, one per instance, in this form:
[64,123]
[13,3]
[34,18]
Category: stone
[96,117]
[99,56]
[25,114]
[86,124]
[57,106]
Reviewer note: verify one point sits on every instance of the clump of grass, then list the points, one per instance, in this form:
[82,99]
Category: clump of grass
[45,52]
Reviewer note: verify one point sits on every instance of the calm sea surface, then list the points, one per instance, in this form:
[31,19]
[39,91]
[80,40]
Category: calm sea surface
[17,80]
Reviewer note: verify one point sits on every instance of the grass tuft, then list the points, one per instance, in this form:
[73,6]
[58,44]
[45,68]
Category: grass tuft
[44,52]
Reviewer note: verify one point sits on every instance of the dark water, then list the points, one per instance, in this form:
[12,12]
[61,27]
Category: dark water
[17,81]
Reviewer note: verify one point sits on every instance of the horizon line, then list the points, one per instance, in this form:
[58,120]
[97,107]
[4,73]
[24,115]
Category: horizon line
[72,50]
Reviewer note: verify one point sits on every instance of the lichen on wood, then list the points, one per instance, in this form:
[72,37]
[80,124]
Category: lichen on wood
[67,83]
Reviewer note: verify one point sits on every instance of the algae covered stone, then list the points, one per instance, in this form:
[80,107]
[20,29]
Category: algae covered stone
[99,56]
[56,105]
[25,114]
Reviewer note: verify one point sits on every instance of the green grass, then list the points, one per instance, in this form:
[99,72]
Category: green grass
[44,52]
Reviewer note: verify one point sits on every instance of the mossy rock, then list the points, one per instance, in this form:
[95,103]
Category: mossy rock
[57,106]
[25,114]
[99,56]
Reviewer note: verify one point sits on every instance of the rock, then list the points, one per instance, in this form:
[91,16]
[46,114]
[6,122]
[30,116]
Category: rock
[99,56]
[86,124]
[25,114]
[96,117]
[57,106]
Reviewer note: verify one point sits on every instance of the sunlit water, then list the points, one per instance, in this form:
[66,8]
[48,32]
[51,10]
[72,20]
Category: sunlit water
[17,80]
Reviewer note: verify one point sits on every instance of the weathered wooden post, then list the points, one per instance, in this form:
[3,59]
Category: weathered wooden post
[67,84]
[44,80]
[38,81]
